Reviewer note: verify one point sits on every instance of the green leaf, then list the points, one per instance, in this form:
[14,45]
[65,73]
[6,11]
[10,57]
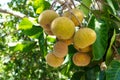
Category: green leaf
[85,6]
[66,69]
[37,3]
[51,39]
[41,5]
[33,32]
[25,46]
[29,29]
[43,44]
[102,75]
[78,76]
[113,71]
[118,49]
[110,3]
[101,28]
[47,5]
[92,73]
[109,51]
[25,24]
[40,9]
[71,49]
[116,4]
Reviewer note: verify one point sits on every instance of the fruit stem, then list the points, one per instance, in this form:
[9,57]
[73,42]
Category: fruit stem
[68,5]
[73,3]
[53,4]
[115,49]
[69,9]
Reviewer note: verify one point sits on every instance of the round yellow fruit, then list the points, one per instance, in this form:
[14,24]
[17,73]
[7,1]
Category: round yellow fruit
[84,37]
[75,15]
[46,17]
[86,49]
[81,59]
[63,28]
[68,41]
[54,61]
[60,49]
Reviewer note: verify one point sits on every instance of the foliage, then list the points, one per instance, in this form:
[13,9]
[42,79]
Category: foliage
[24,44]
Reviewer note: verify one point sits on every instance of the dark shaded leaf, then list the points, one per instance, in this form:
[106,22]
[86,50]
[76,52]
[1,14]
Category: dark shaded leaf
[43,44]
[92,73]
[78,76]
[34,32]
[113,71]
[101,28]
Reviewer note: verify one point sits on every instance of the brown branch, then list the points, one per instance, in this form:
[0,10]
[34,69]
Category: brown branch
[14,13]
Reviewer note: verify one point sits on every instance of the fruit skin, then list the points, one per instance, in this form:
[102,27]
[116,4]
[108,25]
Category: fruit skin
[46,17]
[63,28]
[60,49]
[81,59]
[54,61]
[84,37]
[75,15]
[68,41]
[86,49]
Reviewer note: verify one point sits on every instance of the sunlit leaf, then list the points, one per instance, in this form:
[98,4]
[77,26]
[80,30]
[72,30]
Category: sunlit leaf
[29,29]
[113,71]
[40,5]
[25,24]
[25,46]
[85,6]
[37,3]
[40,9]
[109,51]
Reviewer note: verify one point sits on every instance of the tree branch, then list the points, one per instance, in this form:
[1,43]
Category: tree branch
[14,13]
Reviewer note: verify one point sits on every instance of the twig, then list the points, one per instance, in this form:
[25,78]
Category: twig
[53,4]
[68,5]
[73,3]
[115,49]
[14,13]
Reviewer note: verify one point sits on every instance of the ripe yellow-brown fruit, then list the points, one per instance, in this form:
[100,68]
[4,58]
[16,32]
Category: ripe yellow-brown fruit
[60,49]
[69,41]
[75,15]
[47,29]
[84,37]
[54,61]
[81,59]
[63,28]
[46,17]
[86,49]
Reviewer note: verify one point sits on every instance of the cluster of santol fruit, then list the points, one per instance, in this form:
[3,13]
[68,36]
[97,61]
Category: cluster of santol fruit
[64,28]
